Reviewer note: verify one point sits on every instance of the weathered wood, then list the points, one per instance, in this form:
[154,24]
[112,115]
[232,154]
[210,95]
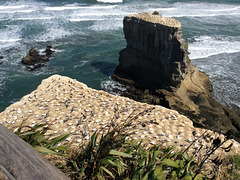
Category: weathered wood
[18,160]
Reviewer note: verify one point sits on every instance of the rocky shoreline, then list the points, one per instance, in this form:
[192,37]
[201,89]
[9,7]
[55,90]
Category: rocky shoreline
[157,70]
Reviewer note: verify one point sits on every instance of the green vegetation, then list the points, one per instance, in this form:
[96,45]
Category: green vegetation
[188,60]
[186,47]
[115,158]
[113,155]
[38,138]
[232,167]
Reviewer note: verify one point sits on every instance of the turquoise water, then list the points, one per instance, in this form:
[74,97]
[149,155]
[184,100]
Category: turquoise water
[87,36]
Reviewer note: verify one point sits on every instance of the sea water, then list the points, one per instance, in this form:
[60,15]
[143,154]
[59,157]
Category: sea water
[87,36]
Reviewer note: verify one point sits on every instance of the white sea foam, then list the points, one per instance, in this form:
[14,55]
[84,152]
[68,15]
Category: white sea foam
[62,8]
[16,11]
[4,44]
[112,86]
[12,7]
[101,14]
[10,36]
[97,16]
[198,10]
[224,10]
[204,15]
[205,46]
[115,23]
[85,19]
[110,1]
[9,40]
[52,33]
[35,18]
[162,9]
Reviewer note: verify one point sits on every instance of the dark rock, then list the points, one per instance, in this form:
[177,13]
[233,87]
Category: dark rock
[1,57]
[49,51]
[155,55]
[34,60]
[155,13]
[155,65]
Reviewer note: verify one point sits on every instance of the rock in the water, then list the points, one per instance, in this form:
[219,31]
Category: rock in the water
[156,55]
[49,51]
[34,60]
[1,57]
[156,58]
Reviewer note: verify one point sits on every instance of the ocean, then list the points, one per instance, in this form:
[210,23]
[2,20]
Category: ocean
[87,36]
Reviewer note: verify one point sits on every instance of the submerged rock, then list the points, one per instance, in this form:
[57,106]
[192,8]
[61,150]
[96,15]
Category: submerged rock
[156,67]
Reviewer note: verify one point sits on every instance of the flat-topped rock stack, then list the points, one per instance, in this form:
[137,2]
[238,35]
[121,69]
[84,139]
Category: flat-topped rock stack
[155,56]
[68,106]
[156,67]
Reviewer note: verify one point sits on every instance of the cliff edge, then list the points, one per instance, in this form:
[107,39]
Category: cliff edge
[156,67]
[66,105]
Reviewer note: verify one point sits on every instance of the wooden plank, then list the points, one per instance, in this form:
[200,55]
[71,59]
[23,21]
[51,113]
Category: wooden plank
[4,174]
[18,160]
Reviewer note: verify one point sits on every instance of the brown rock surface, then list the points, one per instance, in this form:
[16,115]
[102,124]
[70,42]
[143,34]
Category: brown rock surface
[34,60]
[157,70]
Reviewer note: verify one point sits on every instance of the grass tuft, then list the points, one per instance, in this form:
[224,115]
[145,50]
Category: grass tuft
[38,138]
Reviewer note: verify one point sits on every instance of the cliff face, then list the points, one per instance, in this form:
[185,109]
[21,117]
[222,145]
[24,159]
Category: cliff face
[156,54]
[157,70]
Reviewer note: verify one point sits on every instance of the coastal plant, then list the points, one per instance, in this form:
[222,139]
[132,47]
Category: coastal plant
[188,60]
[99,159]
[116,158]
[205,154]
[38,138]
[231,167]
[113,155]
[103,157]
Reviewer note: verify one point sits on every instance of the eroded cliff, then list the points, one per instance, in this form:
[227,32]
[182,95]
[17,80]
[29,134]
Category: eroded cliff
[157,70]
[156,54]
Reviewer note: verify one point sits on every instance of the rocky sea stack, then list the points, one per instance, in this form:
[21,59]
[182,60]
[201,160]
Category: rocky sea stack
[33,60]
[156,67]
